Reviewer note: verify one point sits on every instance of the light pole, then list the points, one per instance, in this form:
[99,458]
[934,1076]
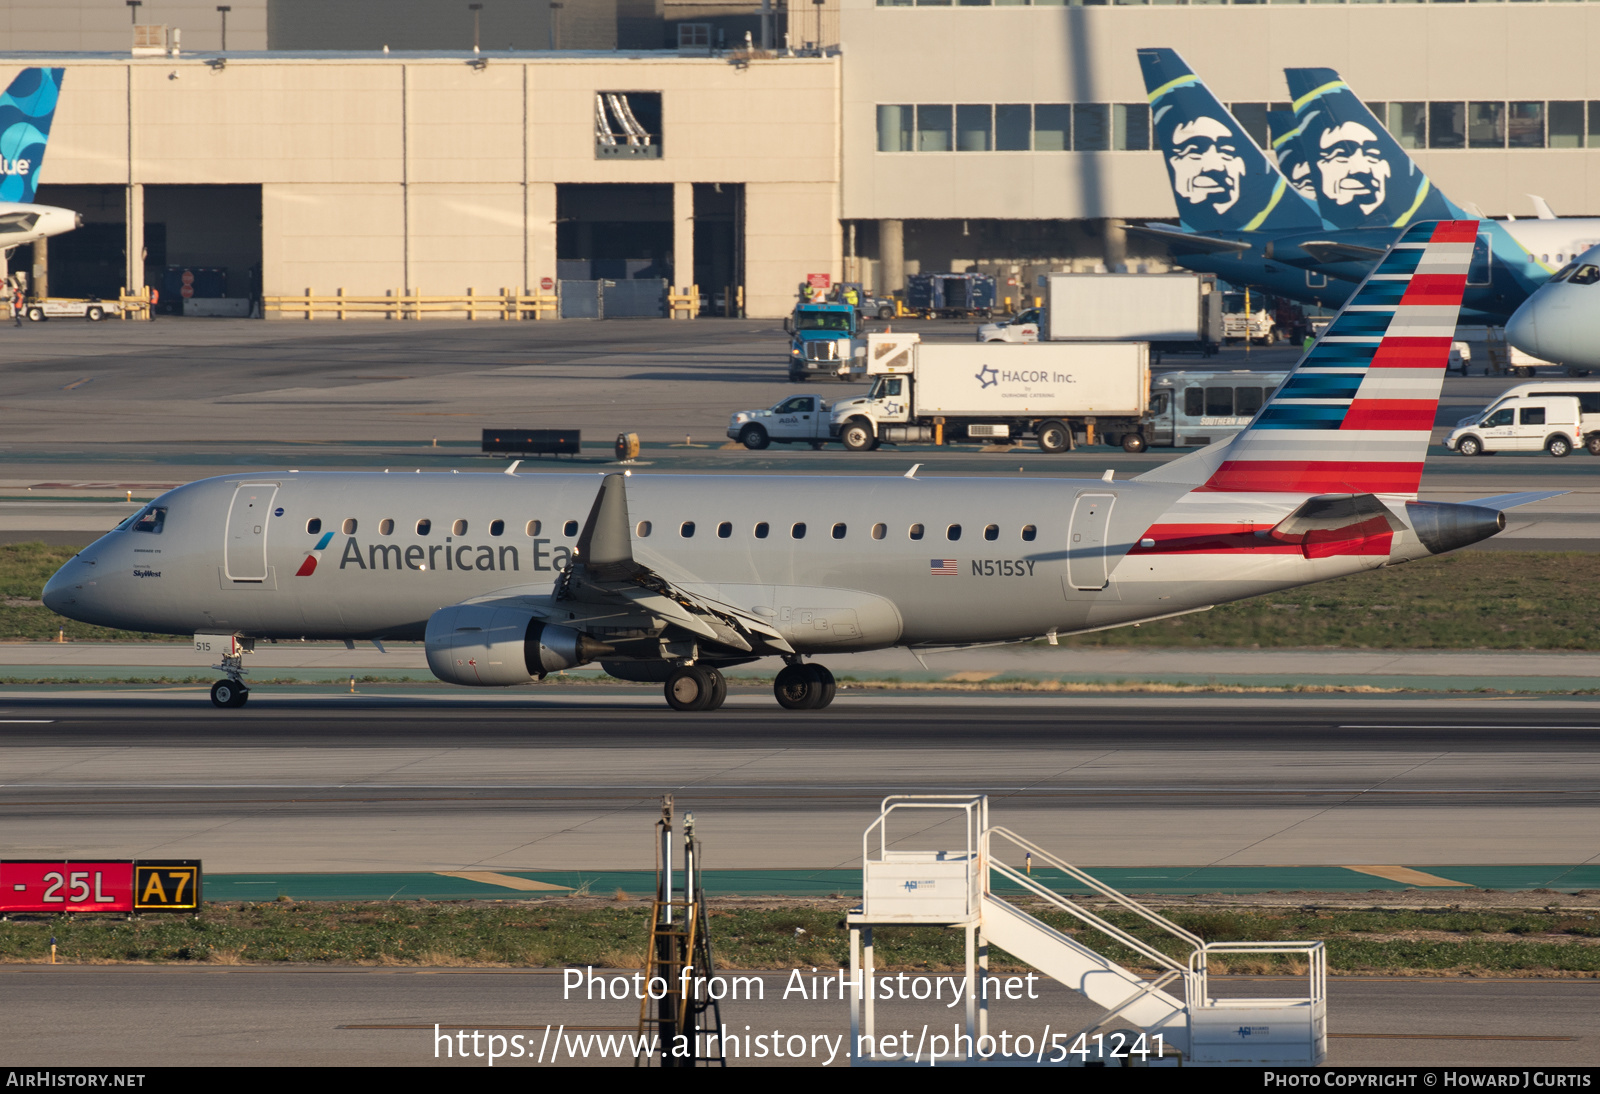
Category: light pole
[819,4]
[477,10]
[555,25]
[224,9]
[133,10]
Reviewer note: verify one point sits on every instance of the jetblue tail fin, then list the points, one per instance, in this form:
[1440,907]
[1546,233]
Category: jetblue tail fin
[1356,414]
[1220,179]
[26,109]
[1362,177]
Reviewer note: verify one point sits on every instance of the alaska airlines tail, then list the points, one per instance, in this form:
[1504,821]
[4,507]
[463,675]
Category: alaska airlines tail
[1283,132]
[1361,176]
[26,109]
[1356,414]
[1220,179]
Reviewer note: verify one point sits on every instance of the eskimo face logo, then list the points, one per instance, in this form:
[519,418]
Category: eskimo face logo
[1207,168]
[1352,166]
[1299,174]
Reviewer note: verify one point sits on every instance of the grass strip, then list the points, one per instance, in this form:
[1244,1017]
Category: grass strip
[756,935]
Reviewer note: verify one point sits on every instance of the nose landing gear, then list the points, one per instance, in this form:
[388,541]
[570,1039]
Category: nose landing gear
[231,693]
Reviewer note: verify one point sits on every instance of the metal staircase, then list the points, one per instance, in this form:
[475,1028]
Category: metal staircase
[955,889]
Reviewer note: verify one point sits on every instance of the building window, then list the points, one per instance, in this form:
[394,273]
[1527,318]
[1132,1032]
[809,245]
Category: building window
[1447,125]
[1408,124]
[1130,127]
[974,127]
[1564,122]
[627,125]
[1013,127]
[1525,125]
[894,128]
[933,128]
[1252,118]
[1486,125]
[1052,127]
[1091,127]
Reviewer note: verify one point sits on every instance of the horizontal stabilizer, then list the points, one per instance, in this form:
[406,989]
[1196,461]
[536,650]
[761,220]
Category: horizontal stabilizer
[1180,240]
[1502,502]
[1329,250]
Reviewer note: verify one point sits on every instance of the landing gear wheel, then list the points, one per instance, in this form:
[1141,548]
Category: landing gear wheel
[1469,446]
[690,688]
[857,436]
[1133,442]
[804,687]
[227,694]
[1558,447]
[719,690]
[754,437]
[1053,436]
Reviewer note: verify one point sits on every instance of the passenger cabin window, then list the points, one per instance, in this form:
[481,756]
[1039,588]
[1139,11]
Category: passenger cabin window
[569,529]
[798,531]
[152,519]
[643,529]
[838,531]
[313,526]
[1219,402]
[992,532]
[1029,533]
[686,529]
[915,531]
[879,531]
[349,526]
[386,527]
[497,527]
[1194,402]
[1533,415]
[724,530]
[953,533]
[534,526]
[762,529]
[459,528]
[424,526]
[1246,400]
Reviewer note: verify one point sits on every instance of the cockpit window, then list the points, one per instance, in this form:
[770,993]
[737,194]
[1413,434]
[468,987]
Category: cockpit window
[1584,275]
[152,519]
[1563,273]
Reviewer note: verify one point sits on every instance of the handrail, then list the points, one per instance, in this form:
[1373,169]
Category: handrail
[1109,929]
[1095,884]
[967,803]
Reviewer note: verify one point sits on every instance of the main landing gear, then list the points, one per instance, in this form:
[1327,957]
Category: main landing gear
[230,693]
[698,688]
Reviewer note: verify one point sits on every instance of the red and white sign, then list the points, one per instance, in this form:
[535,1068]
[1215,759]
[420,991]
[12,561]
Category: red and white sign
[819,281]
[33,886]
[547,283]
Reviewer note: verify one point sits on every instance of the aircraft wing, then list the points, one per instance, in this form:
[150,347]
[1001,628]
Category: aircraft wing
[1179,239]
[605,580]
[1328,250]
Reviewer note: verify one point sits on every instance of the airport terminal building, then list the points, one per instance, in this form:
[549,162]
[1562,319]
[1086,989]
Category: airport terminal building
[896,138]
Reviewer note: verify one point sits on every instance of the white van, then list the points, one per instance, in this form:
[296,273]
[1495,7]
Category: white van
[1197,407]
[1554,417]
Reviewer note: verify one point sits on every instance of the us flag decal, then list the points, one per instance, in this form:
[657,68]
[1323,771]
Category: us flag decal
[942,566]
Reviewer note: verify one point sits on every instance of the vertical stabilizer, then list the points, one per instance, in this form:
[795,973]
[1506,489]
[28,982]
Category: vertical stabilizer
[1361,175]
[1356,414]
[1220,179]
[26,110]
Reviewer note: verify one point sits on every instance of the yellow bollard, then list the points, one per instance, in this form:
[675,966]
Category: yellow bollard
[352,683]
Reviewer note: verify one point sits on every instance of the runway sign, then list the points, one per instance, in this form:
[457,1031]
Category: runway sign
[40,885]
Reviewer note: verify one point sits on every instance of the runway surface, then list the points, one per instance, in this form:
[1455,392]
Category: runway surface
[572,782]
[135,1017]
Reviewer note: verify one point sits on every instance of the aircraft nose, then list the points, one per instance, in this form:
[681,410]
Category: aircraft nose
[1522,329]
[61,592]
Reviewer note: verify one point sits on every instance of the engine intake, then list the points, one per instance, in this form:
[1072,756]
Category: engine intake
[486,645]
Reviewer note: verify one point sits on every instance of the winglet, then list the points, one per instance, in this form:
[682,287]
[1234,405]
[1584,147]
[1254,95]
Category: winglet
[605,547]
[512,470]
[912,473]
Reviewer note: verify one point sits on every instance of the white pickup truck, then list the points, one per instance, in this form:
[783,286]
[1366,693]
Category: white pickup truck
[801,419]
[1024,327]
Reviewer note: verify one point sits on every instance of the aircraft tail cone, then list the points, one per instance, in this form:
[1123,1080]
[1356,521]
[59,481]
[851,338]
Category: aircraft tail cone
[1444,527]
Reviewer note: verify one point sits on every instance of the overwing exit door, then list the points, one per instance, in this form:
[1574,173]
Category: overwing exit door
[245,538]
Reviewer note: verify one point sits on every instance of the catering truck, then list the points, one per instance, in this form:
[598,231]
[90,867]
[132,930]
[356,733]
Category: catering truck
[1058,394]
[1173,312]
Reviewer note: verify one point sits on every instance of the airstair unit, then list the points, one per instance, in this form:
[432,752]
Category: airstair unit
[1176,1017]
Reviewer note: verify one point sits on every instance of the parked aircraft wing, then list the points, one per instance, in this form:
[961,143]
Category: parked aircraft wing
[1187,241]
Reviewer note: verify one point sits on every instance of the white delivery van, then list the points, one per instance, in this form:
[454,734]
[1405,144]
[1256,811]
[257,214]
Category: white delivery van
[1553,417]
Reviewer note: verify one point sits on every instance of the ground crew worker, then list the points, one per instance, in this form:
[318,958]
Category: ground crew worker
[16,304]
[852,297]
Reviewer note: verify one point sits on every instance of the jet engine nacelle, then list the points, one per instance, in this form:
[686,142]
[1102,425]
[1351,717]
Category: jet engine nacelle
[488,645]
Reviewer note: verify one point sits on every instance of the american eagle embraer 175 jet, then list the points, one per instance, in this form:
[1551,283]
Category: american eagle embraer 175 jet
[671,578]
